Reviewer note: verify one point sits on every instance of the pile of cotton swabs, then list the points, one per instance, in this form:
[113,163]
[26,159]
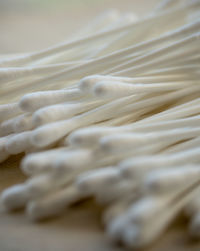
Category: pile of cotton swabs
[112,114]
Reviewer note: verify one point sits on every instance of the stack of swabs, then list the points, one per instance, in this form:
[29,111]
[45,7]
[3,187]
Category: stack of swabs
[112,114]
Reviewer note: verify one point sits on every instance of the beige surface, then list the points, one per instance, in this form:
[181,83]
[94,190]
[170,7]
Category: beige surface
[79,228]
[32,27]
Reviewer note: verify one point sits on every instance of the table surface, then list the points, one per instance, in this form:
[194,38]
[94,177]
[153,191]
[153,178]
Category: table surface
[80,227]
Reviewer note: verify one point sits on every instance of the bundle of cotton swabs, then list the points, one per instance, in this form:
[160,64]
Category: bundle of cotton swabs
[113,114]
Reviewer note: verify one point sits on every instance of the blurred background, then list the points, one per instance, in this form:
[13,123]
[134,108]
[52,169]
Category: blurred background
[28,25]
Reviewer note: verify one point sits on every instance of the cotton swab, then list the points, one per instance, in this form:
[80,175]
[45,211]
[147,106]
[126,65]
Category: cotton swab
[15,197]
[115,116]
[54,204]
[7,111]
[90,136]
[32,102]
